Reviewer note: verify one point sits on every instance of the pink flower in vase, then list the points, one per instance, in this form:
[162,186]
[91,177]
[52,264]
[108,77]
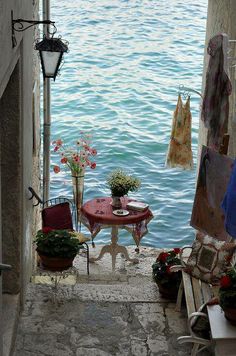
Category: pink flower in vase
[77,158]
[56,169]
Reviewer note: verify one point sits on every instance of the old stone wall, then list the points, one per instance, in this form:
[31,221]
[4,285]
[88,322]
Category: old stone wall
[19,142]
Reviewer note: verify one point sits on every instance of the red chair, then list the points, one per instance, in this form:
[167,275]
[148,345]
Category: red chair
[59,213]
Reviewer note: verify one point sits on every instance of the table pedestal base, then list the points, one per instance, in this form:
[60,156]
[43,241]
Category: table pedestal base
[114,249]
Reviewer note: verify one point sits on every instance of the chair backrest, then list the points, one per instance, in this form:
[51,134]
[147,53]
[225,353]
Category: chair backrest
[59,213]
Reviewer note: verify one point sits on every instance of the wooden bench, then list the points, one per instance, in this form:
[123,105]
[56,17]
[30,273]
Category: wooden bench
[197,294]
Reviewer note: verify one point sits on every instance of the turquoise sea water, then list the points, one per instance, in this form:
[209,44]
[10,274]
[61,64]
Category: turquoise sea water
[120,82]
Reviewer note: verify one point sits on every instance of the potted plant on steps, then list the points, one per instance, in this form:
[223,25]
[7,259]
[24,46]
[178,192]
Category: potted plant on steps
[168,282]
[121,184]
[58,248]
[227,294]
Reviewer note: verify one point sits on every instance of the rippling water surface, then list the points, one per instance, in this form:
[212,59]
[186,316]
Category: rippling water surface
[120,82]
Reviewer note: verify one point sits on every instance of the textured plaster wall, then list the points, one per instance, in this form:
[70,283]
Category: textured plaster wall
[221,18]
[10,181]
[20,166]
[36,175]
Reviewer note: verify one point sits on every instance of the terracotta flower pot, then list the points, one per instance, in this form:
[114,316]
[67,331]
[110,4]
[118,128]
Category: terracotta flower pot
[168,291]
[230,314]
[55,263]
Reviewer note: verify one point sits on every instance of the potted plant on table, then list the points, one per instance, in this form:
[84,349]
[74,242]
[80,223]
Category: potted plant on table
[227,294]
[120,184]
[168,282]
[58,248]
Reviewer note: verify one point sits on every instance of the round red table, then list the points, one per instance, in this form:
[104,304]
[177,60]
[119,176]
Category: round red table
[97,214]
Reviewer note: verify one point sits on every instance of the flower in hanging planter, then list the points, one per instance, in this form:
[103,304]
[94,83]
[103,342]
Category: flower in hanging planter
[76,158]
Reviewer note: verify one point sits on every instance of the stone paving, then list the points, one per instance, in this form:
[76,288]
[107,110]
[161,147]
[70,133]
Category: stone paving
[105,314]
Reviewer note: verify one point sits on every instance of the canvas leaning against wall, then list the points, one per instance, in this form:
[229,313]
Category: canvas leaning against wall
[214,174]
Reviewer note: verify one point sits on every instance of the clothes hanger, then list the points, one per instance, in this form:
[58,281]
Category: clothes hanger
[185,91]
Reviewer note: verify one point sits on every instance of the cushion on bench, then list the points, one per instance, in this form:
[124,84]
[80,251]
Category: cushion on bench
[209,258]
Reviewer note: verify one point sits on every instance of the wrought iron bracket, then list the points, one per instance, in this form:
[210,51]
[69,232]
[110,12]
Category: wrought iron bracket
[35,195]
[20,25]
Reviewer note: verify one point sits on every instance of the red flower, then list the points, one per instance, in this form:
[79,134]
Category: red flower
[176,251]
[76,159]
[225,282]
[163,256]
[168,271]
[228,258]
[56,169]
[59,142]
[93,152]
[64,160]
[46,230]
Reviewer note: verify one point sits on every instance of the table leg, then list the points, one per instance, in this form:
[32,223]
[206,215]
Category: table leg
[114,239]
[114,249]
[105,249]
[123,250]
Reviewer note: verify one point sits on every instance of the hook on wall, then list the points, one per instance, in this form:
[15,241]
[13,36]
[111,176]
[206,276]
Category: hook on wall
[35,195]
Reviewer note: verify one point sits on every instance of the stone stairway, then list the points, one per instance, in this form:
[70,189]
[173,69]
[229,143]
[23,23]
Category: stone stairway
[102,314]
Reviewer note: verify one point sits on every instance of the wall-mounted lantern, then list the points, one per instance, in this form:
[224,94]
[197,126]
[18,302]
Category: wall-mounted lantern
[51,49]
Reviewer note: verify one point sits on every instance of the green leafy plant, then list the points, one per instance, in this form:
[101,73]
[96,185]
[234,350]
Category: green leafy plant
[227,291]
[121,183]
[57,243]
[161,268]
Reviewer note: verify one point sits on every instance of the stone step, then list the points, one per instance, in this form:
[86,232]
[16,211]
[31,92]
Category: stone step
[129,282]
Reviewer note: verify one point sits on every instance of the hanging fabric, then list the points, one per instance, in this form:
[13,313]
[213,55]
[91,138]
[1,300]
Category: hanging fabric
[213,177]
[179,151]
[215,106]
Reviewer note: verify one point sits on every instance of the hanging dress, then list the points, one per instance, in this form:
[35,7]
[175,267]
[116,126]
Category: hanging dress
[215,105]
[179,151]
